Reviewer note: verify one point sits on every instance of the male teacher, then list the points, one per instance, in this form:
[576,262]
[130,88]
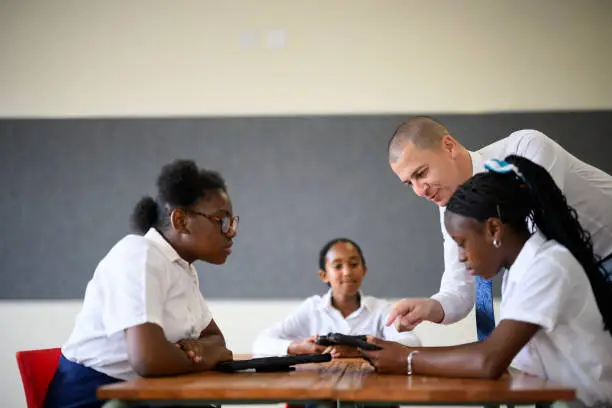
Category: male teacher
[424,155]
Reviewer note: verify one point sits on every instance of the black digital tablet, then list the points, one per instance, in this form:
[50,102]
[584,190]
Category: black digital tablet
[271,364]
[346,340]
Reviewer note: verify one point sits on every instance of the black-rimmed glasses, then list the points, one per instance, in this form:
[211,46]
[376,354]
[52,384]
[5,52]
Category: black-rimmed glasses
[228,225]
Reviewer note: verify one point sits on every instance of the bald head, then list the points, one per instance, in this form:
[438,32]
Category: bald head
[423,131]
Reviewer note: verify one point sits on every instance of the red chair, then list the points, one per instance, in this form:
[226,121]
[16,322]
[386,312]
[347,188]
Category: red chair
[37,368]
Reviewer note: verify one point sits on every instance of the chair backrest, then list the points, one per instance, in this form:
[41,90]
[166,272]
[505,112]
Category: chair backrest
[37,368]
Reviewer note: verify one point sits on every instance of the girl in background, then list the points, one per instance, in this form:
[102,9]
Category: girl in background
[343,309]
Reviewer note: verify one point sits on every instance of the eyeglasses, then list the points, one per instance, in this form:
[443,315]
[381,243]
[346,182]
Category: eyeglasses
[228,225]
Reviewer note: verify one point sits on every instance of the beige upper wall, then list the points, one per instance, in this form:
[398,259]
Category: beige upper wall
[152,57]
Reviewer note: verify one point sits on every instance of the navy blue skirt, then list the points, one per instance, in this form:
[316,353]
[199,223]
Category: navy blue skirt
[75,386]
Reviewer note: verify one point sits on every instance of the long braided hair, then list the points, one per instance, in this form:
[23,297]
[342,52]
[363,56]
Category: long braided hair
[531,192]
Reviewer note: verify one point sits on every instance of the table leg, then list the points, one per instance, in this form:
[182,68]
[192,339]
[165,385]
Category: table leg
[115,404]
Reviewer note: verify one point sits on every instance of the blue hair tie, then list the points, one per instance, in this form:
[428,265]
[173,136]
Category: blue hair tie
[503,167]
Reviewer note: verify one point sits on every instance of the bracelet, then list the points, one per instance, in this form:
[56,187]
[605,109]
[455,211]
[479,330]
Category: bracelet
[409,360]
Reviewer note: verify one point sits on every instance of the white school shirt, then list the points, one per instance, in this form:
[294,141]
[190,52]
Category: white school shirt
[546,286]
[316,315]
[588,190]
[141,280]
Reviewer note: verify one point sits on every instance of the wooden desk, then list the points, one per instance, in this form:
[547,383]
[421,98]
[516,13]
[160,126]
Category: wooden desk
[309,383]
[342,382]
[359,384]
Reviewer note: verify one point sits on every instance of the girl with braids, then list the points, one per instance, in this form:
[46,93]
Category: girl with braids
[556,308]
[143,313]
[343,309]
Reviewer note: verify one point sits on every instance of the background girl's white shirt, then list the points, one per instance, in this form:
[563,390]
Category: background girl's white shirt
[547,286]
[316,315]
[141,280]
[588,190]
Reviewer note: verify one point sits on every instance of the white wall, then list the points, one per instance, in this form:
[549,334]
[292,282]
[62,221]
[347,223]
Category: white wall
[32,325]
[160,57]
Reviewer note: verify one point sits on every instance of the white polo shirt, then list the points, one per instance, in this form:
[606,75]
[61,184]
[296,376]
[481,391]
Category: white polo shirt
[141,280]
[588,190]
[547,286]
[316,315]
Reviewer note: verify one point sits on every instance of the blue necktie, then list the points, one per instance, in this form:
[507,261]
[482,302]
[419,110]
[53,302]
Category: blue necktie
[606,264]
[485,317]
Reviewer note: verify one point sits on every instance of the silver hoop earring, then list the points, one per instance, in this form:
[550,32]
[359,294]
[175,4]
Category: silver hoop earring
[496,243]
